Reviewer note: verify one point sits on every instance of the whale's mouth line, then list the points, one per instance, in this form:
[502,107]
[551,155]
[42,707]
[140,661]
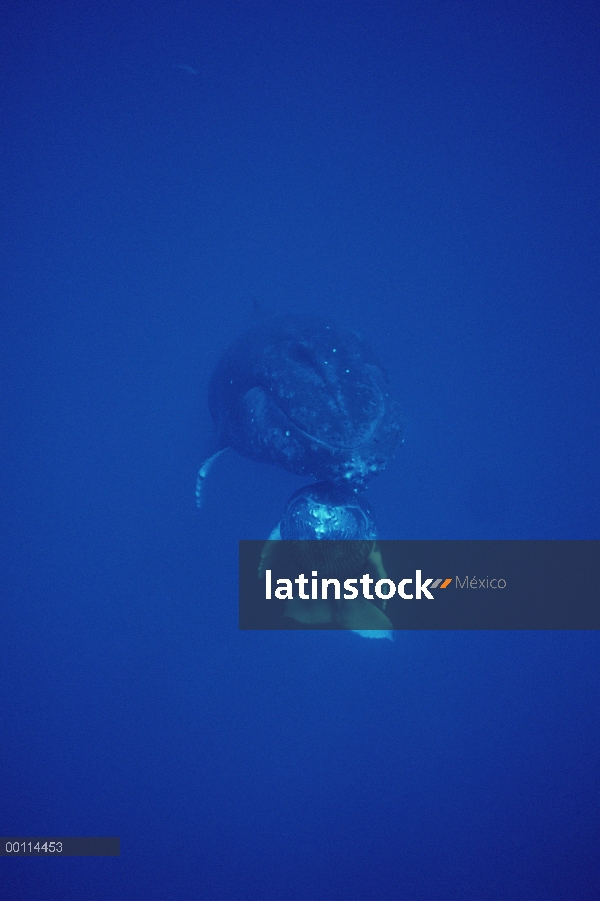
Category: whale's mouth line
[337,447]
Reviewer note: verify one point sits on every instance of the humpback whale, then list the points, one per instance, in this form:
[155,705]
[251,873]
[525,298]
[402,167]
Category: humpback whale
[306,395]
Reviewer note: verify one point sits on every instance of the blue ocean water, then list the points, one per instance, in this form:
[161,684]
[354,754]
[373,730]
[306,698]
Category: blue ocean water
[425,173]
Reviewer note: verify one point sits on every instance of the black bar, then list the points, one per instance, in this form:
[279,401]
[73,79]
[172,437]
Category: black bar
[478,584]
[59,846]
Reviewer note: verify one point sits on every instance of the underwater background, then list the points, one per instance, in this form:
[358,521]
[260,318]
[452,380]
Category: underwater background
[425,173]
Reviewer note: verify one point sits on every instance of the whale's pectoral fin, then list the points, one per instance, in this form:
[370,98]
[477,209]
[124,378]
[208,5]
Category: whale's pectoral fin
[202,475]
[374,633]
[308,612]
[361,616]
[268,551]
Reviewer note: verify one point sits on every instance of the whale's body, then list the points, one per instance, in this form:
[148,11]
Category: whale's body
[308,396]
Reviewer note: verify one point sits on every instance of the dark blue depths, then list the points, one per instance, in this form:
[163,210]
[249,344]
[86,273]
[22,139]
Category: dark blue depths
[424,174]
